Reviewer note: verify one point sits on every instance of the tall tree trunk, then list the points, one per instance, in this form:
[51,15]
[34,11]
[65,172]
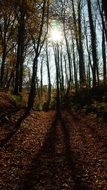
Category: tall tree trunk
[69,58]
[79,41]
[56,56]
[33,84]
[81,53]
[3,65]
[20,52]
[37,49]
[61,70]
[90,66]
[104,5]
[104,57]
[49,77]
[104,23]
[75,69]
[66,74]
[41,82]
[93,42]
[4,46]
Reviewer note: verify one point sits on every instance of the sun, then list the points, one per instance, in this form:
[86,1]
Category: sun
[56,35]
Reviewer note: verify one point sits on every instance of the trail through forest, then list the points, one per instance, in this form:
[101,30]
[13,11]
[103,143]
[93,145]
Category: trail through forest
[50,151]
[53,95]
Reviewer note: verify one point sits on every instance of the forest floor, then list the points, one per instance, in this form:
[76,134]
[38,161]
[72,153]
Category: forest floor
[45,151]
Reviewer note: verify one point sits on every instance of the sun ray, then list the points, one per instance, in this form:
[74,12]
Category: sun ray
[56,35]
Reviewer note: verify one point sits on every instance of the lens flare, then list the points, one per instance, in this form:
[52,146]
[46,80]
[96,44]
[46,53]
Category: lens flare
[56,35]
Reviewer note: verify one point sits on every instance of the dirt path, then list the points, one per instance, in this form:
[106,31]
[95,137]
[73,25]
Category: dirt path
[55,153]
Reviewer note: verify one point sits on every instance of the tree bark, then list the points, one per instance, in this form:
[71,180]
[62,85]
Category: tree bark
[49,77]
[93,42]
[20,53]
[33,81]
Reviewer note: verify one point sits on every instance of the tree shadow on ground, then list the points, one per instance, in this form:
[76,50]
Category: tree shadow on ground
[42,168]
[15,128]
[48,170]
[72,159]
[93,130]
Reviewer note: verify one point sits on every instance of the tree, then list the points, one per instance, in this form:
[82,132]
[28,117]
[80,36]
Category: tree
[104,5]
[49,76]
[7,34]
[38,42]
[56,57]
[104,57]
[93,42]
[21,18]
[80,46]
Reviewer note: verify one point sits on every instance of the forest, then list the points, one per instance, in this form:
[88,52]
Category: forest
[53,94]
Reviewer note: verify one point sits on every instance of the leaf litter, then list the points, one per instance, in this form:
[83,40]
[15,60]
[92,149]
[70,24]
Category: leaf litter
[49,153]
